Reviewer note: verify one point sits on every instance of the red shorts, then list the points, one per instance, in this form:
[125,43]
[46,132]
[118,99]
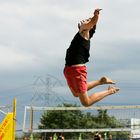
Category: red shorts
[76,78]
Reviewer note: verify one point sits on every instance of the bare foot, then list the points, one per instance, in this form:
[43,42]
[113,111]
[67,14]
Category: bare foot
[112,89]
[106,80]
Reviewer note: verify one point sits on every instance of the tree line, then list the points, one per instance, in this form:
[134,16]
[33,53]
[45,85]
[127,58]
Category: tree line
[77,119]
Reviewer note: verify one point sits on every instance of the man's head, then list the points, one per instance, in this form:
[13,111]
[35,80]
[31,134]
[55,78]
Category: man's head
[83,22]
[92,30]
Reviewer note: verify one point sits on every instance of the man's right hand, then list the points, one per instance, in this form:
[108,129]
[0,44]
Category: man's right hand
[97,11]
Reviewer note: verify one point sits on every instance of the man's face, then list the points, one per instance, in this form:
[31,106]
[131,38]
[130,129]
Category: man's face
[86,21]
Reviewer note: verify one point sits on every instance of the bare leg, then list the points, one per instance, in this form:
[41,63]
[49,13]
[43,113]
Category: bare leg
[95,97]
[103,80]
[93,84]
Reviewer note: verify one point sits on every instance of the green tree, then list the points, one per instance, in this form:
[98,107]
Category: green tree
[63,120]
[77,119]
[106,121]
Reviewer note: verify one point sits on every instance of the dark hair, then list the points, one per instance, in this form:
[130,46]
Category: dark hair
[97,136]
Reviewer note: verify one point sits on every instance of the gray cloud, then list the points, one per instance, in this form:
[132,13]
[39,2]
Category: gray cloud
[35,35]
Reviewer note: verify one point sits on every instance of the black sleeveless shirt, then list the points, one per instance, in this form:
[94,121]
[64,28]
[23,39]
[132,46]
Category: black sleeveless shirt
[78,51]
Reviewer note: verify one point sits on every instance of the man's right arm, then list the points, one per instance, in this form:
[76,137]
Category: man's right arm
[93,21]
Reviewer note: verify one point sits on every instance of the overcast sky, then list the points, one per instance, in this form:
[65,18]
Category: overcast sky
[34,35]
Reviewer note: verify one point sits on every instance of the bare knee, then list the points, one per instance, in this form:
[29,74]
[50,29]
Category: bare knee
[86,101]
[86,104]
[84,98]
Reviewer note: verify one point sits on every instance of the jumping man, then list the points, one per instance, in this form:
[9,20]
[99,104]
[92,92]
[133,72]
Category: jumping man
[75,70]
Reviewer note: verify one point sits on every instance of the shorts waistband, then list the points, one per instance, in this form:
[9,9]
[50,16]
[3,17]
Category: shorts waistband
[76,65]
